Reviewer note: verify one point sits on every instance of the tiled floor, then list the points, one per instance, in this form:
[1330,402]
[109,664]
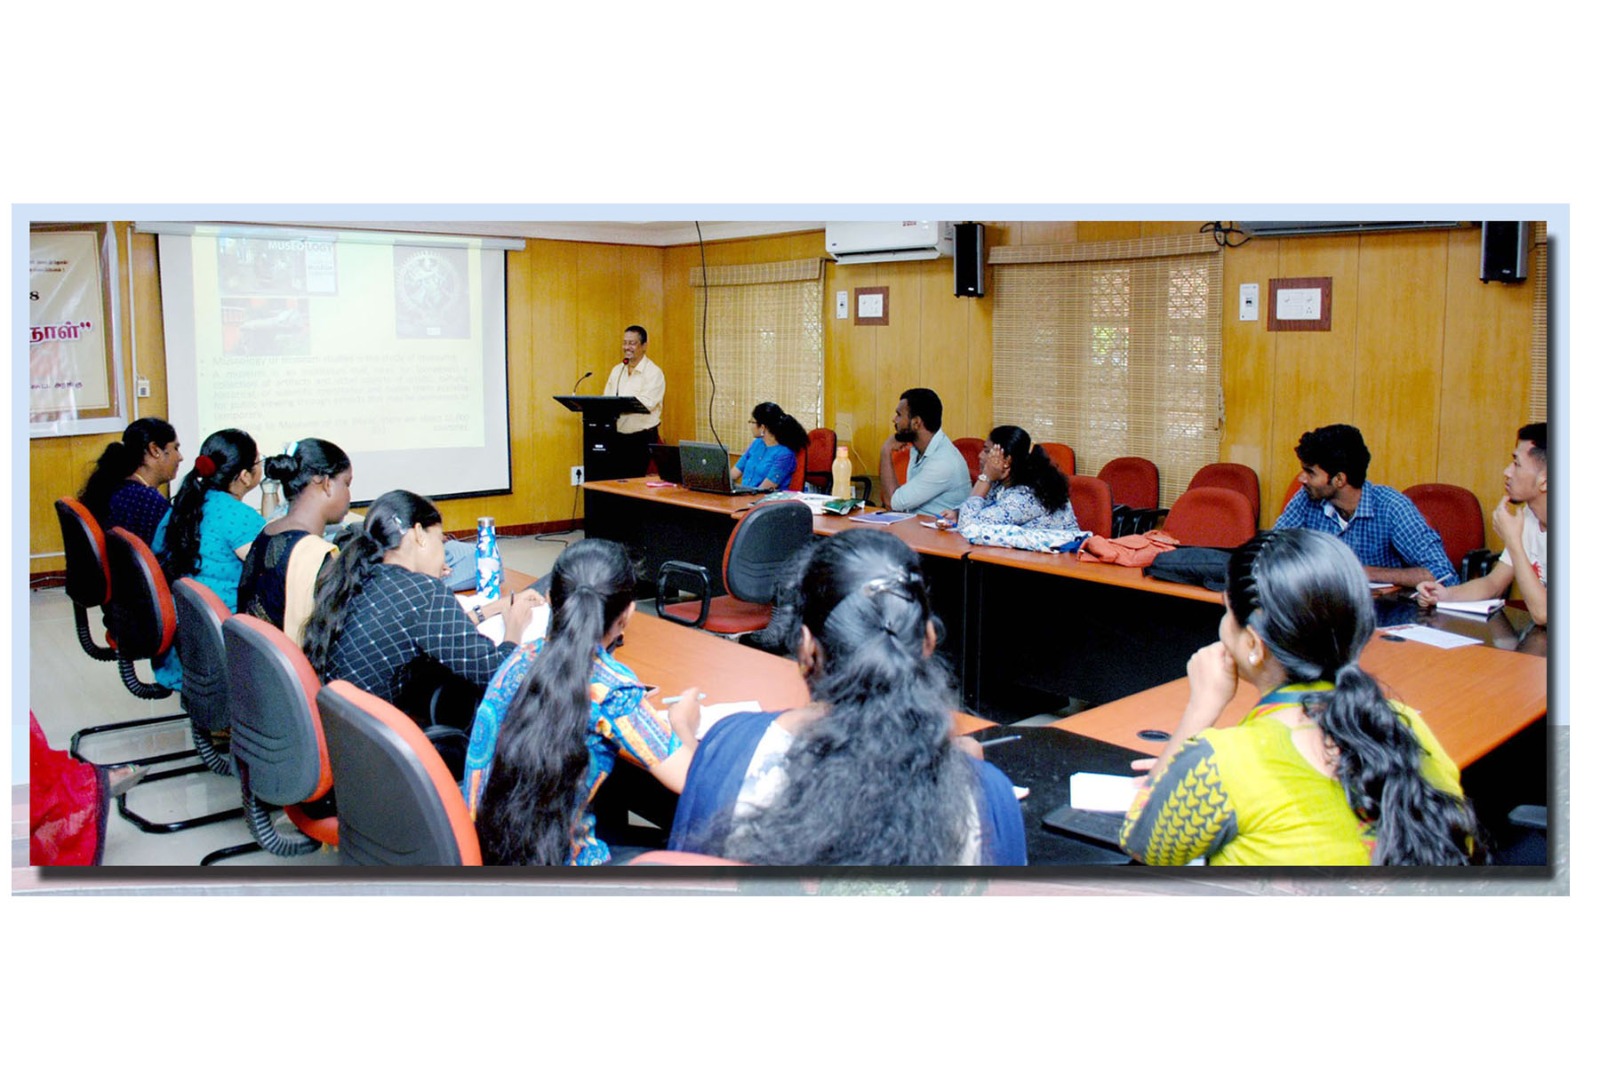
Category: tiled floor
[68,691]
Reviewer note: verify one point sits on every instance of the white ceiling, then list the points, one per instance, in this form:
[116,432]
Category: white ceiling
[655,234]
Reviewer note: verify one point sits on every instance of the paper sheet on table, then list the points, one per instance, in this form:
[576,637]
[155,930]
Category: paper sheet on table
[813,500]
[1439,638]
[1481,608]
[713,713]
[494,627]
[1101,792]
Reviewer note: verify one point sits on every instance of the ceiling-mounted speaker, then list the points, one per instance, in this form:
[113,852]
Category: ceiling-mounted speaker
[1505,251]
[969,258]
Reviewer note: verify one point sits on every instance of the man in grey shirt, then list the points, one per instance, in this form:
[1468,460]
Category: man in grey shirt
[937,478]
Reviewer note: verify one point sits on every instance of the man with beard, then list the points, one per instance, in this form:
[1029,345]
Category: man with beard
[937,479]
[1523,530]
[1380,524]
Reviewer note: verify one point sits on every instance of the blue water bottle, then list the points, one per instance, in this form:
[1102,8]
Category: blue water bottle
[488,553]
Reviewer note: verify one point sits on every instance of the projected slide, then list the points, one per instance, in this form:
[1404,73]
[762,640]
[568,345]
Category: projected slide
[393,350]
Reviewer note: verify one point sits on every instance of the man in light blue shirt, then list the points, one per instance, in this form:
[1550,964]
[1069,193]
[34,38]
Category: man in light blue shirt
[937,478]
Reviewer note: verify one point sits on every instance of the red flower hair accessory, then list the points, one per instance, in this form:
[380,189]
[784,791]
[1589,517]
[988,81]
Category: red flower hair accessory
[205,466]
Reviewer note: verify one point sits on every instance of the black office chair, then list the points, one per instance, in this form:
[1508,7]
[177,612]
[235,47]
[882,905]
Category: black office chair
[142,622]
[204,697]
[279,751]
[399,804]
[759,550]
[88,573]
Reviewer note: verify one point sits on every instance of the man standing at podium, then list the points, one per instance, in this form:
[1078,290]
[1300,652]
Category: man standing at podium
[637,376]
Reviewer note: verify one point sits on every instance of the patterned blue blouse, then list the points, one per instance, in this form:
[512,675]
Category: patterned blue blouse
[621,721]
[762,462]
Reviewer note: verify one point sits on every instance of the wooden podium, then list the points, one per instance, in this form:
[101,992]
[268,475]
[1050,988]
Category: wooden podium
[602,460]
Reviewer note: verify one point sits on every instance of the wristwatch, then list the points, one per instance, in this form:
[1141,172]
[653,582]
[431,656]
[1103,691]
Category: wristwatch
[983,477]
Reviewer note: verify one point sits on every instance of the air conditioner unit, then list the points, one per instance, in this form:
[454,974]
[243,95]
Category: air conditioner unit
[1308,229]
[887,242]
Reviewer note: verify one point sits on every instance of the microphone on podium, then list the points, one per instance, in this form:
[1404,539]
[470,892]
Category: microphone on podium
[580,381]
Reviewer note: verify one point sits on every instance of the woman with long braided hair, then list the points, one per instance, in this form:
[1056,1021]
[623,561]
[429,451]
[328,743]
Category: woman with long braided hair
[1324,770]
[868,772]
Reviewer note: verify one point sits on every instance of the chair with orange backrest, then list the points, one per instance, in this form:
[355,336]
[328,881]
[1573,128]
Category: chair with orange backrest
[971,449]
[764,542]
[201,614]
[1210,518]
[797,480]
[1458,517]
[88,573]
[818,465]
[399,805]
[1289,493]
[1091,503]
[1235,476]
[1063,456]
[1135,494]
[279,750]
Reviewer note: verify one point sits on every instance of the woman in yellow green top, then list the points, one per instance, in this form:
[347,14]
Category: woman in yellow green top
[1324,770]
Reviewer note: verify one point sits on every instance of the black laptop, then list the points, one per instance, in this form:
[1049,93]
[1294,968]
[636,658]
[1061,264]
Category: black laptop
[667,465]
[705,469]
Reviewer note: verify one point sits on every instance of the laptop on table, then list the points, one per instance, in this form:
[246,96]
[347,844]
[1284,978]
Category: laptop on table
[705,469]
[667,466]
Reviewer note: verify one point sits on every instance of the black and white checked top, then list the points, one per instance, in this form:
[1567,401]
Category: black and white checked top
[401,618]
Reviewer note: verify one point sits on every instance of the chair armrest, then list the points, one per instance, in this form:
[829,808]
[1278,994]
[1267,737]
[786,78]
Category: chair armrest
[866,487]
[451,744]
[697,576]
[1477,563]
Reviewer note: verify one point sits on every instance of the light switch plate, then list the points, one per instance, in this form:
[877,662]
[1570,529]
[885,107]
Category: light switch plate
[1249,302]
[841,304]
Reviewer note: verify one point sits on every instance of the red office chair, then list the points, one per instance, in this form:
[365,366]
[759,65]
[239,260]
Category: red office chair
[764,542]
[398,803]
[1135,494]
[200,614]
[971,449]
[819,461]
[279,749]
[88,573]
[797,480]
[1063,456]
[1235,476]
[1091,503]
[1458,516]
[1289,494]
[1210,518]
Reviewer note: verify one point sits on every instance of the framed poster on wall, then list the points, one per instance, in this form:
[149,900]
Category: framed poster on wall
[73,384]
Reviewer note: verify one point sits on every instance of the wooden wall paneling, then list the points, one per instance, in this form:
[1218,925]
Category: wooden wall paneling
[1399,353]
[943,343]
[1483,386]
[1248,364]
[1314,372]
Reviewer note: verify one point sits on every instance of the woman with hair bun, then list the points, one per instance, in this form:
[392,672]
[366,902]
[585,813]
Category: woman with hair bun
[1324,770]
[868,772]
[1017,488]
[122,490]
[278,583]
[557,716]
[780,442]
[384,621]
[208,531]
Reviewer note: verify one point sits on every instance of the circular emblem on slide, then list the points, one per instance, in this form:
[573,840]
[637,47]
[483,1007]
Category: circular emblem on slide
[429,283]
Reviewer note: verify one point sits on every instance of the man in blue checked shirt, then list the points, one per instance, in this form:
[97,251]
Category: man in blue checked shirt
[1378,523]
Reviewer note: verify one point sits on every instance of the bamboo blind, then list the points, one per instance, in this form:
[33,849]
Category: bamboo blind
[1114,348]
[763,332]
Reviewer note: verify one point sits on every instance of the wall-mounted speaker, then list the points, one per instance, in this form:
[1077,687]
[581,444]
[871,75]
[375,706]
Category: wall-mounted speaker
[969,258]
[1505,251]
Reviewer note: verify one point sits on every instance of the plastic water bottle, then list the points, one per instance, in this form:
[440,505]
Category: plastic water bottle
[841,472]
[488,555]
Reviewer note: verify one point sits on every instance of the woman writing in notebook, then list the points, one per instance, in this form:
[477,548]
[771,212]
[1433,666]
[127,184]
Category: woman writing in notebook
[384,621]
[867,773]
[559,713]
[1324,770]
[780,443]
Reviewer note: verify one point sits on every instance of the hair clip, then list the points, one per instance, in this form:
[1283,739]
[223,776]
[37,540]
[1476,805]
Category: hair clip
[290,448]
[205,466]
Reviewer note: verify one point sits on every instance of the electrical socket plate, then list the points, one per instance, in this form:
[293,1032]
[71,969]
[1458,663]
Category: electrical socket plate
[577,475]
